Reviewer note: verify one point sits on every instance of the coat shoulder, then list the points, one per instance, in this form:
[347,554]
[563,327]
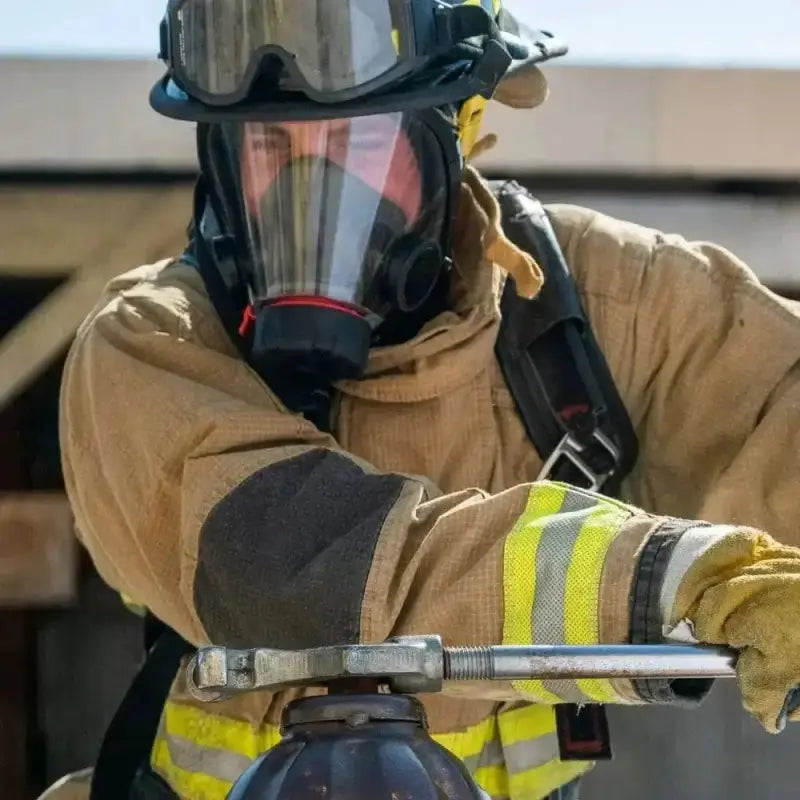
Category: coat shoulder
[619,259]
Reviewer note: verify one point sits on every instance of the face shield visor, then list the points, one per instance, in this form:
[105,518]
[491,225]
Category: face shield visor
[344,215]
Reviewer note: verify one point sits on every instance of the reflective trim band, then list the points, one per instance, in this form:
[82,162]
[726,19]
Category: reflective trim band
[537,783]
[493,781]
[692,544]
[538,752]
[530,746]
[217,732]
[553,559]
[477,746]
[582,590]
[196,785]
[519,576]
[491,755]
[224,765]
[520,740]
[512,756]
[525,723]
[553,563]
[201,754]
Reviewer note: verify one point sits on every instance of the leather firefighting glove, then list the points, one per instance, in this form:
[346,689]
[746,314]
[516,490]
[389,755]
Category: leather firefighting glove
[744,592]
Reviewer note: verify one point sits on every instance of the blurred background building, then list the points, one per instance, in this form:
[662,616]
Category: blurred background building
[680,116]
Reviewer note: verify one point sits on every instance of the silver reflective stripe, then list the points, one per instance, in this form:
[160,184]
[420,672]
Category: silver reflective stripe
[490,756]
[553,558]
[531,753]
[224,765]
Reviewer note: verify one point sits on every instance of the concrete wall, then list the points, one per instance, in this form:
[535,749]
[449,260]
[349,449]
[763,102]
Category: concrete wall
[78,114]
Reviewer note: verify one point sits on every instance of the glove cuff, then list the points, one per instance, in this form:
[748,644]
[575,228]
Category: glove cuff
[662,563]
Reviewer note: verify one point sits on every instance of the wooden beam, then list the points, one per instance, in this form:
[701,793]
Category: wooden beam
[38,550]
[44,333]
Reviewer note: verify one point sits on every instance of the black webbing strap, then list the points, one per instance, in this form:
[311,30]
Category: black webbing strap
[129,738]
[553,365]
[567,400]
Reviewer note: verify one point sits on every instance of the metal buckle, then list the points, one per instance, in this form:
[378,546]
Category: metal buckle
[571,449]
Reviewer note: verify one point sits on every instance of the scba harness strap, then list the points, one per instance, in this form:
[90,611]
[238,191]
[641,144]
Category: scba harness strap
[573,415]
[554,367]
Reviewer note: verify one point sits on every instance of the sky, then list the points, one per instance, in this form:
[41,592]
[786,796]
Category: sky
[704,33]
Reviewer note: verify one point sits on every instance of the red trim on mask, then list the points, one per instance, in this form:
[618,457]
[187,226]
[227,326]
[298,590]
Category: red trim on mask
[248,318]
[318,302]
[313,301]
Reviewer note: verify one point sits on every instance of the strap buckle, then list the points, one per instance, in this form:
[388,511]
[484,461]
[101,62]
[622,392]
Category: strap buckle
[575,452]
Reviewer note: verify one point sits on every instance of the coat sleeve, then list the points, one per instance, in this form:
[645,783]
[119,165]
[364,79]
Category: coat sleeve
[236,522]
[708,362]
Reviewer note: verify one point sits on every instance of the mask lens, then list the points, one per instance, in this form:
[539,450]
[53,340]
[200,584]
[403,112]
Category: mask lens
[335,209]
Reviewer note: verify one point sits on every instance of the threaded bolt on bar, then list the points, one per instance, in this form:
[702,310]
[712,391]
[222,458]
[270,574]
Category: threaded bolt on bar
[511,662]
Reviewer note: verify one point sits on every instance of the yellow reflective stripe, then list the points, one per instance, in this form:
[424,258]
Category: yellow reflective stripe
[196,785]
[528,722]
[566,607]
[534,725]
[534,784]
[493,781]
[219,732]
[519,575]
[582,588]
[486,741]
[470,742]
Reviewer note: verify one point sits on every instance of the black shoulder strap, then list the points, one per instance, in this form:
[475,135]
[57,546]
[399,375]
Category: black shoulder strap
[556,372]
[128,740]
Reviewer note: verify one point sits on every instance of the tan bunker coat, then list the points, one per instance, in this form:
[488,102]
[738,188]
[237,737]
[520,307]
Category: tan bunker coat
[236,522]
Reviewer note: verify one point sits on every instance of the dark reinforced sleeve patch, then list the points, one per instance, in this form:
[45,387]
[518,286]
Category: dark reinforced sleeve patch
[646,622]
[283,559]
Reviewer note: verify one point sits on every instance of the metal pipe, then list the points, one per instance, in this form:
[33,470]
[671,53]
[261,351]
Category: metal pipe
[510,662]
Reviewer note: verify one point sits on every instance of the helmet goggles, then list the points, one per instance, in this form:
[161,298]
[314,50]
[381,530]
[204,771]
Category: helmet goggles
[217,51]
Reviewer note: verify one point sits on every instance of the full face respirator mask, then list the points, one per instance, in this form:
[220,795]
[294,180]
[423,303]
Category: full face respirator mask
[339,231]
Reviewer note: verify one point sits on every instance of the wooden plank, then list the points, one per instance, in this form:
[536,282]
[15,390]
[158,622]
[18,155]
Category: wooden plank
[38,550]
[155,232]
[61,227]
[31,346]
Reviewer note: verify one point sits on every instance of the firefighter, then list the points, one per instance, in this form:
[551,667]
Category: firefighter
[297,432]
